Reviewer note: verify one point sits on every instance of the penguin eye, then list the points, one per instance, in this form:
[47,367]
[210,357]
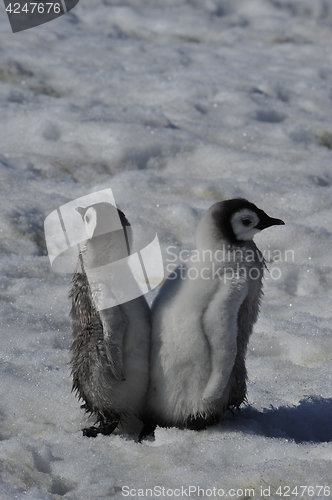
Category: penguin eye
[246,221]
[87,218]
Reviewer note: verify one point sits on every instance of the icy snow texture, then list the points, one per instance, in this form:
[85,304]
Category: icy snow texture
[174,105]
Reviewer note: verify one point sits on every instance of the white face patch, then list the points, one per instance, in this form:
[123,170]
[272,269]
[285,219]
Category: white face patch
[244,224]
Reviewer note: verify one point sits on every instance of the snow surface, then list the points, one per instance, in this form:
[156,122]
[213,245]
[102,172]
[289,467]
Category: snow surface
[173,105]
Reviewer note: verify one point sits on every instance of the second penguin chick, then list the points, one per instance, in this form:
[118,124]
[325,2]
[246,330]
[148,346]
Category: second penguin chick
[110,351]
[203,317]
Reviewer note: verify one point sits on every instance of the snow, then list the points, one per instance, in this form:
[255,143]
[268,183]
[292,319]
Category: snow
[173,105]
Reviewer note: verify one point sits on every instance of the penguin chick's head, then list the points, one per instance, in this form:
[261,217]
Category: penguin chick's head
[239,220]
[101,218]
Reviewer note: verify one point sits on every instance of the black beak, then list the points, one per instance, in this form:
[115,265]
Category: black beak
[266,221]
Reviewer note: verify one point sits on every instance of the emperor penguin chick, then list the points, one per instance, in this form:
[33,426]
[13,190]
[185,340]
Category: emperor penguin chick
[203,317]
[110,350]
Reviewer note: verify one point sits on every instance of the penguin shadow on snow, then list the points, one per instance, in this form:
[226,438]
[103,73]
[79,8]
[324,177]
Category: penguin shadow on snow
[309,421]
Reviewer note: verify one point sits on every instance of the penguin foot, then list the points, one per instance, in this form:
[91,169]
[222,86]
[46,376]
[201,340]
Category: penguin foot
[107,428]
[90,432]
[200,423]
[195,423]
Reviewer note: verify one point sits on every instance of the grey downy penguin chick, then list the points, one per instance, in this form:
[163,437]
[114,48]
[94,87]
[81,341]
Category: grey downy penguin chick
[202,319]
[110,350]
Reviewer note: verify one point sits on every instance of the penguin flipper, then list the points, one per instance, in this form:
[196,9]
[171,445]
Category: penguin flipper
[215,388]
[115,323]
[223,340]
